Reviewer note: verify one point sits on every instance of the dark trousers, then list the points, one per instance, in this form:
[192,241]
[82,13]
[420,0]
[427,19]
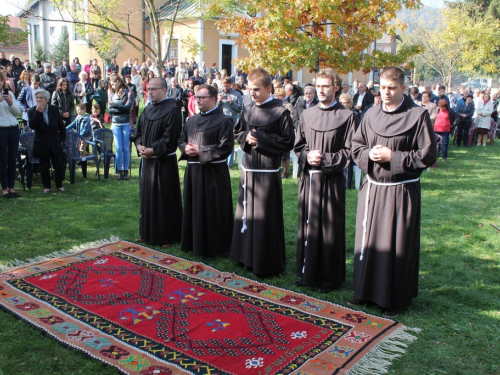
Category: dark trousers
[348,176]
[9,147]
[88,106]
[463,131]
[95,83]
[57,163]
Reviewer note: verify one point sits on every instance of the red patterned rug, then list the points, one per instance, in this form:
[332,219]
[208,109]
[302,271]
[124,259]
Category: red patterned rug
[147,312]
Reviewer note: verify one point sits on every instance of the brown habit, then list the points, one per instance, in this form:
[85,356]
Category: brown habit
[159,127]
[207,224]
[261,246]
[321,235]
[387,274]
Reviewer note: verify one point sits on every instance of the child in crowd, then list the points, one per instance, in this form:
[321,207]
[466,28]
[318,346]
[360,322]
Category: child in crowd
[96,118]
[82,126]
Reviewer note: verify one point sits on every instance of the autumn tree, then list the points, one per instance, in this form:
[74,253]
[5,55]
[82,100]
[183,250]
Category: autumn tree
[103,21]
[459,39]
[281,34]
[10,37]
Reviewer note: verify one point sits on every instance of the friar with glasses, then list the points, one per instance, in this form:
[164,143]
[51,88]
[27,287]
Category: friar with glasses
[394,143]
[323,147]
[158,131]
[206,142]
[264,132]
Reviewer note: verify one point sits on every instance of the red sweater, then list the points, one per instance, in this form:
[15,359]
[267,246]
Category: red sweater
[442,123]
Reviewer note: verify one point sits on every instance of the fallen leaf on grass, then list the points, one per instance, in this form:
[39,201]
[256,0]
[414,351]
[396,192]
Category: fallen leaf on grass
[467,235]
[480,225]
[54,194]
[463,175]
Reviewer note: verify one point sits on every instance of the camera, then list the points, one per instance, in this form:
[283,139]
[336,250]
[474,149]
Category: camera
[5,91]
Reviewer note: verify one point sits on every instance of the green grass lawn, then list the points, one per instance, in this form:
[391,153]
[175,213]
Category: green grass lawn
[458,308]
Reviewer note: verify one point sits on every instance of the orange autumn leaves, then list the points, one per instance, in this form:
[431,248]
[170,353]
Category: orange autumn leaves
[313,34]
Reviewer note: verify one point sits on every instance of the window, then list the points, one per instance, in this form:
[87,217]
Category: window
[52,30]
[36,33]
[173,53]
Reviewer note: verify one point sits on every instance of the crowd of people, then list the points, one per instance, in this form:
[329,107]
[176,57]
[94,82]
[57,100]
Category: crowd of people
[389,133]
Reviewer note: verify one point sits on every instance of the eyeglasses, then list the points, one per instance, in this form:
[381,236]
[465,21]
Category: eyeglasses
[201,97]
[153,88]
[318,87]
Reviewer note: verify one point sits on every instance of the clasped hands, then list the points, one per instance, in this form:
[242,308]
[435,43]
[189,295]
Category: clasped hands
[145,152]
[314,158]
[380,154]
[191,150]
[251,140]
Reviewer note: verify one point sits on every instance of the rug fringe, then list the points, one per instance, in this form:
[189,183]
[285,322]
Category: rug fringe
[380,358]
[16,263]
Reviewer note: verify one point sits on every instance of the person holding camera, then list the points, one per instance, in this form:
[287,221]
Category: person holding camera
[9,139]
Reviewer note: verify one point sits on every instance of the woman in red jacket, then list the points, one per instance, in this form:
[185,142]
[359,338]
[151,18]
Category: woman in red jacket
[442,126]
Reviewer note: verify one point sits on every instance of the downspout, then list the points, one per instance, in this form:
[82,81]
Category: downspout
[143,29]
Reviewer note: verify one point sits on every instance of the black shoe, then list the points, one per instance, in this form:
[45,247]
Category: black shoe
[390,313]
[298,282]
[125,174]
[120,175]
[7,195]
[14,195]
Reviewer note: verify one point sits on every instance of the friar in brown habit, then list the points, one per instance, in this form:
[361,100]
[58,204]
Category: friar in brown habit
[158,131]
[206,142]
[264,131]
[323,147]
[393,145]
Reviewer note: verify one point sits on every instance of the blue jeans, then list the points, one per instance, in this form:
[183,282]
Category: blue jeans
[445,137]
[9,147]
[230,159]
[121,134]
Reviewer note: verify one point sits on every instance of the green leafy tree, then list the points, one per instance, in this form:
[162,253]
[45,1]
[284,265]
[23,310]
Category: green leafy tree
[40,54]
[10,37]
[281,34]
[106,44]
[460,39]
[60,50]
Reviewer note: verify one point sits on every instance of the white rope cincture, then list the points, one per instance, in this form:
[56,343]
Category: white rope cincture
[367,200]
[153,157]
[244,218]
[311,173]
[212,162]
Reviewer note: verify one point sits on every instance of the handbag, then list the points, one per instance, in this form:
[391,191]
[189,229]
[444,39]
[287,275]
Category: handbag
[107,118]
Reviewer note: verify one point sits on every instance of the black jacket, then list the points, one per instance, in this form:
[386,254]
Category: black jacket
[367,99]
[176,93]
[300,106]
[126,71]
[63,100]
[77,92]
[120,109]
[48,81]
[47,136]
